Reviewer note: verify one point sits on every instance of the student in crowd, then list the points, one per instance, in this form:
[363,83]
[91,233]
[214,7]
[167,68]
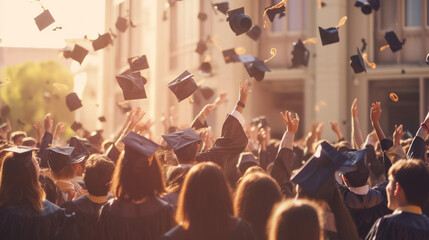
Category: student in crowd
[136,212]
[24,212]
[205,208]
[255,197]
[98,174]
[407,193]
[296,220]
[175,180]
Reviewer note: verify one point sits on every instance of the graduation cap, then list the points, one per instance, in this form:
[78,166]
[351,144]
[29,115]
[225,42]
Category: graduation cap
[181,138]
[393,41]
[76,126]
[364,6]
[138,63]
[205,68]
[138,145]
[102,41]
[44,19]
[102,119]
[230,55]
[319,168]
[222,7]
[329,35]
[202,16]
[183,86]
[375,4]
[73,102]
[95,137]
[273,12]
[354,169]
[22,153]
[353,159]
[80,152]
[357,63]
[300,55]
[246,160]
[257,69]
[132,86]
[78,54]
[59,157]
[201,47]
[121,24]
[238,21]
[254,33]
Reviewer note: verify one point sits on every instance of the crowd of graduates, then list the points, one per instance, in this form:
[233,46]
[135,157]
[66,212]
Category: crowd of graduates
[188,185]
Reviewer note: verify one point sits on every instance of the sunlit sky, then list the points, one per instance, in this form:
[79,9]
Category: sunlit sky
[77,18]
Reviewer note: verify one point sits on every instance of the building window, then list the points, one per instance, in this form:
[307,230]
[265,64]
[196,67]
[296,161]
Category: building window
[405,17]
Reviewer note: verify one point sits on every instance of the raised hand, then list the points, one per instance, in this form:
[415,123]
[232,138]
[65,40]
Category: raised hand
[39,131]
[291,125]
[244,91]
[354,109]
[220,99]
[375,112]
[319,130]
[398,134]
[59,129]
[48,123]
[136,117]
[207,110]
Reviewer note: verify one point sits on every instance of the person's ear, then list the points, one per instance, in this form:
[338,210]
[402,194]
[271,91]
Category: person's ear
[397,190]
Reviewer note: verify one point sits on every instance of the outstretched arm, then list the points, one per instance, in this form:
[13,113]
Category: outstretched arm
[336,130]
[357,139]
[418,146]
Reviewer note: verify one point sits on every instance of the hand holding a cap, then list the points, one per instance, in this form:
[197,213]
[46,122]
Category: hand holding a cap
[291,125]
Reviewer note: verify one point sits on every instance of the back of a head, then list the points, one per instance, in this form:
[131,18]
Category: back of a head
[29,142]
[297,220]
[187,153]
[17,137]
[137,176]
[255,197]
[98,174]
[413,177]
[359,177]
[205,204]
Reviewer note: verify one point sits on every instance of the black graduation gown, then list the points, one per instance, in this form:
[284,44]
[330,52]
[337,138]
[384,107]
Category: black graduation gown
[120,219]
[366,209]
[232,142]
[241,232]
[23,222]
[43,150]
[86,216]
[282,171]
[417,149]
[399,226]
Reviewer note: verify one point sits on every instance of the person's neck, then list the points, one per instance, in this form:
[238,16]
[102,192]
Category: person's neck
[409,208]
[97,199]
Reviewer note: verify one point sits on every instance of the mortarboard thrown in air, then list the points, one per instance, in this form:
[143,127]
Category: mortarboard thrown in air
[329,35]
[205,68]
[222,7]
[300,55]
[256,69]
[181,138]
[78,54]
[183,86]
[102,41]
[393,41]
[138,63]
[238,21]
[357,63]
[201,47]
[132,85]
[273,12]
[73,102]
[59,157]
[254,33]
[136,145]
[230,55]
[319,168]
[44,19]
[364,6]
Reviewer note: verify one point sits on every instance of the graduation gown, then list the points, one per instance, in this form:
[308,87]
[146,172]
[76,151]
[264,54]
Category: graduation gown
[121,219]
[366,209]
[23,222]
[43,149]
[282,171]
[231,143]
[86,216]
[241,232]
[400,225]
[417,149]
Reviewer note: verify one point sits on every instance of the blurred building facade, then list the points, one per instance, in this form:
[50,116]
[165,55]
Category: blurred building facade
[168,33]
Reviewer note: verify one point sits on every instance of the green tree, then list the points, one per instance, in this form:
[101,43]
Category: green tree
[35,89]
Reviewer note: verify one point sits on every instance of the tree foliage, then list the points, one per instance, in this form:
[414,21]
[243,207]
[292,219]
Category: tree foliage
[34,90]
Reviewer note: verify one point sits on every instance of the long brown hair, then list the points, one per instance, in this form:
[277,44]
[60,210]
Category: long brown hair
[137,177]
[295,219]
[19,183]
[205,205]
[255,197]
